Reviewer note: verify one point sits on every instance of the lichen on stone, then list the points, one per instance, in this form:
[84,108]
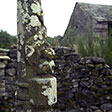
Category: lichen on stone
[51,92]
[34,21]
[36,8]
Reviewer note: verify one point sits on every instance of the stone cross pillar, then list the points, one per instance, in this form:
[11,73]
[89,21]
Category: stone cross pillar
[37,90]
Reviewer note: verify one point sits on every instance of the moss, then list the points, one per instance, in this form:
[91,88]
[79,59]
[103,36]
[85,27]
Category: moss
[91,65]
[94,73]
[71,103]
[105,90]
[80,97]
[109,83]
[99,81]
[103,71]
[60,93]
[97,96]
[61,107]
[23,85]
[109,77]
[48,54]
[67,84]
[94,87]
[63,75]
[78,67]
[99,66]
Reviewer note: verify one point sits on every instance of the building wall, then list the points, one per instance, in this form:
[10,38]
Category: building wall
[83,24]
[100,29]
[80,23]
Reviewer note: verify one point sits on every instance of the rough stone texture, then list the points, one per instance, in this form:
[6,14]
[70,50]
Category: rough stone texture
[43,92]
[35,57]
[88,19]
[8,75]
[84,84]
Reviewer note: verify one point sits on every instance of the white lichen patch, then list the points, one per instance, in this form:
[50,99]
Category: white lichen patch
[40,37]
[21,40]
[51,91]
[32,101]
[44,87]
[34,21]
[41,80]
[52,64]
[43,64]
[47,63]
[38,43]
[53,52]
[18,56]
[20,7]
[49,88]
[50,51]
[29,110]
[25,18]
[29,50]
[36,8]
[35,37]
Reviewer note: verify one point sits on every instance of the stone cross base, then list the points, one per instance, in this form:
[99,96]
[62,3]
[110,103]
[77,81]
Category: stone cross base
[42,93]
[38,95]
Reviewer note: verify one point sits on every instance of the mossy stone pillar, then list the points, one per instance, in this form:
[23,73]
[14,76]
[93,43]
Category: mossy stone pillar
[37,86]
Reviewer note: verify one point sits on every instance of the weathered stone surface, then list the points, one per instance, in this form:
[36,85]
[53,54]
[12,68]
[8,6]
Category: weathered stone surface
[2,65]
[43,92]
[91,86]
[35,57]
[87,20]
[4,57]
[84,84]
[106,106]
[2,72]
[11,71]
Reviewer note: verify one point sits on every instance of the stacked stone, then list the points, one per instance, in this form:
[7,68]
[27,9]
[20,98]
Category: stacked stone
[64,60]
[84,84]
[94,92]
[10,79]
[8,68]
[3,61]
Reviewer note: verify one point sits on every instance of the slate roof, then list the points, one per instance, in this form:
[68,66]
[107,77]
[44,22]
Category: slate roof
[99,12]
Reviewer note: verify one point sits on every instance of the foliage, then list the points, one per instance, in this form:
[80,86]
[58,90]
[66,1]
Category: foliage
[99,47]
[56,41]
[6,40]
[69,40]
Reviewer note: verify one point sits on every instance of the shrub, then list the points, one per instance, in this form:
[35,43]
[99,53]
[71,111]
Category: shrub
[6,40]
[99,47]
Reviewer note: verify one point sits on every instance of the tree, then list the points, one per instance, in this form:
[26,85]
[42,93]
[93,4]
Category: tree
[6,40]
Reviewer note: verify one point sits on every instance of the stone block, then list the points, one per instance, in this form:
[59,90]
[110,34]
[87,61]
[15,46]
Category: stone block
[4,57]
[43,92]
[2,72]
[11,72]
[2,65]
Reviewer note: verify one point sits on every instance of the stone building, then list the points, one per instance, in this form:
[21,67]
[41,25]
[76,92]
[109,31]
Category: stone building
[89,18]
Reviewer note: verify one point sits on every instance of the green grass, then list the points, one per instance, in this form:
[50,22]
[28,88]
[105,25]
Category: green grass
[98,47]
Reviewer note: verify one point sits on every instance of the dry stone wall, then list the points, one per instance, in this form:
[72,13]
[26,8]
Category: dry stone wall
[8,76]
[84,84]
